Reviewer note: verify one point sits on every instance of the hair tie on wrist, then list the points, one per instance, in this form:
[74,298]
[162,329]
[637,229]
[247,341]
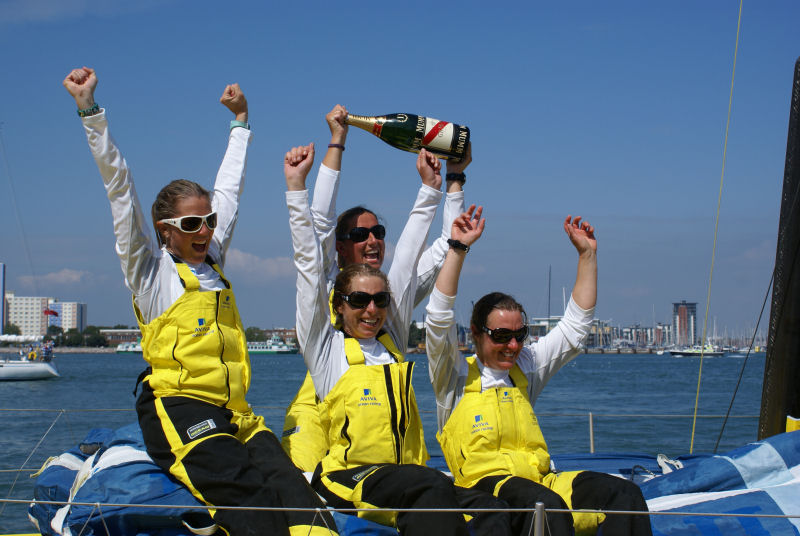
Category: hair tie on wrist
[94,109]
[336,146]
[455,244]
[458,177]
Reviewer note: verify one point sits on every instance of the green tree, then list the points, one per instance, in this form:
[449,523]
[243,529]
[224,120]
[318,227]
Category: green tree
[415,335]
[253,334]
[55,334]
[11,329]
[73,338]
[92,337]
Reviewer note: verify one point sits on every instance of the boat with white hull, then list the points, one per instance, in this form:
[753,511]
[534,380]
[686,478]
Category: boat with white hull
[22,369]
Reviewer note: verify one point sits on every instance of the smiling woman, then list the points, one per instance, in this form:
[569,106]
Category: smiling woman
[373,446]
[195,420]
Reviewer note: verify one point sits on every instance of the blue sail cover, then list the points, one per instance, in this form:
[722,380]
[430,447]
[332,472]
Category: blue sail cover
[112,467]
[760,478]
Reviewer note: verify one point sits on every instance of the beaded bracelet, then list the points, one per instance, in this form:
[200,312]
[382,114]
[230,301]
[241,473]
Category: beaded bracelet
[336,146]
[94,109]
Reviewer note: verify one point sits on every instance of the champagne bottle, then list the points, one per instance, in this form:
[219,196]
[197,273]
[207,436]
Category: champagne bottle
[413,132]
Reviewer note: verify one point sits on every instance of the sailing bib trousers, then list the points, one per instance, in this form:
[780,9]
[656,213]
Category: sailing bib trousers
[197,425]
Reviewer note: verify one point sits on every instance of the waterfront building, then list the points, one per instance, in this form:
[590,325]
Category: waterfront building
[684,323]
[67,315]
[34,314]
[115,336]
[27,313]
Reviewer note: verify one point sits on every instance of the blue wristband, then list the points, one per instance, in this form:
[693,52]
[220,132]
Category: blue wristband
[242,124]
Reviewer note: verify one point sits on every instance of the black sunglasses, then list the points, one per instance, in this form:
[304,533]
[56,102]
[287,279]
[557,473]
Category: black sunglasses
[360,300]
[192,224]
[359,234]
[503,335]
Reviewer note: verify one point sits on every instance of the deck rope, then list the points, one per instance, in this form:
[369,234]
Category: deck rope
[716,228]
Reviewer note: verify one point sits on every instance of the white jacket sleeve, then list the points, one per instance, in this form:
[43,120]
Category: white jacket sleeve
[551,352]
[313,316]
[228,190]
[432,258]
[403,273]
[323,215]
[444,359]
[136,251]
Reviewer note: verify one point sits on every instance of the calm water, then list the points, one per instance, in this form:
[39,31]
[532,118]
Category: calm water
[39,419]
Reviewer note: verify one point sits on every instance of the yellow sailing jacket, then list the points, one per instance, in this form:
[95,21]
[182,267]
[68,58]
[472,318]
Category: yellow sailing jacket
[371,414]
[494,432]
[197,347]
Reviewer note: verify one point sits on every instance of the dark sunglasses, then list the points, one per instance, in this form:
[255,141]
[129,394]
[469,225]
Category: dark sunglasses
[359,234]
[192,224]
[503,335]
[360,300]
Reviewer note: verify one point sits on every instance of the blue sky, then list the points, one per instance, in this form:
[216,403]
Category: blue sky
[615,111]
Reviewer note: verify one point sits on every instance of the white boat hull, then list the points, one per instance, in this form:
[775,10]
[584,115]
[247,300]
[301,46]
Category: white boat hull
[27,370]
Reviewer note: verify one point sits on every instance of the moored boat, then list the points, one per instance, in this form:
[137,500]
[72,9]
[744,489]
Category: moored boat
[130,347]
[275,345]
[696,351]
[37,364]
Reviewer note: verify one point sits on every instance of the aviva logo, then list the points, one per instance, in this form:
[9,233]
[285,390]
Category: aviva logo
[201,329]
[480,424]
[368,399]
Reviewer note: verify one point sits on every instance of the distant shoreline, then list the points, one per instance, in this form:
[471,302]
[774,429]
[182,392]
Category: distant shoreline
[57,350]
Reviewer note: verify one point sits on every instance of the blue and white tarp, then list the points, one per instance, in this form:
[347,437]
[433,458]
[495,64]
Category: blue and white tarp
[761,478]
[112,467]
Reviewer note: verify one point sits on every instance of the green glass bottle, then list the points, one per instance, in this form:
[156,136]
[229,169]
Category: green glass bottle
[411,132]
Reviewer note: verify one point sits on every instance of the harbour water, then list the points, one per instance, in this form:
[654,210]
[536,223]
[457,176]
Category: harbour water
[639,403]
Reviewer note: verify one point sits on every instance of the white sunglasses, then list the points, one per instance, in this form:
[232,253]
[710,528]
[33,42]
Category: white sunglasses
[192,224]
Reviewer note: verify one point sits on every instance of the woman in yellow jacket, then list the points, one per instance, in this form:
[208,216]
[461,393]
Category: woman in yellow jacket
[487,428]
[195,420]
[376,450]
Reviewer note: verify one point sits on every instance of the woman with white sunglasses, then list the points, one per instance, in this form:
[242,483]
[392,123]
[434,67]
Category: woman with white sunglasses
[488,431]
[192,410]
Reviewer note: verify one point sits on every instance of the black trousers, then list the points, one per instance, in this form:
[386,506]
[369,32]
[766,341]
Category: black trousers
[413,486]
[229,459]
[590,490]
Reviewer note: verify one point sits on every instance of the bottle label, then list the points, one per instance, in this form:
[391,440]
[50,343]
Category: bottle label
[438,134]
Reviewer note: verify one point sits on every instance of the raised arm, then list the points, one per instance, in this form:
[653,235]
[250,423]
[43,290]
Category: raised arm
[441,337]
[323,205]
[563,343]
[313,317]
[581,234]
[230,177]
[432,258]
[134,245]
[403,272]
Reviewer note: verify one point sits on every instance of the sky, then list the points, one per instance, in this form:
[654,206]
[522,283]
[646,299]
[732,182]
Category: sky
[615,111]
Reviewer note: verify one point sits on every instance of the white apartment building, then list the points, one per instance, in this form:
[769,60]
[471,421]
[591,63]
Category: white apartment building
[27,313]
[31,315]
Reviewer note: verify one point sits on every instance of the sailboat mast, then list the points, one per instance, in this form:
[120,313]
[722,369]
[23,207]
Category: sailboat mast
[780,395]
